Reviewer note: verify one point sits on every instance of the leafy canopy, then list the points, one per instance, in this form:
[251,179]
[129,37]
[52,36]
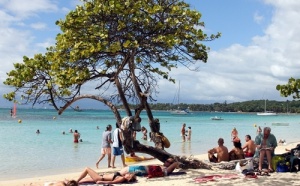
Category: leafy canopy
[101,37]
[291,88]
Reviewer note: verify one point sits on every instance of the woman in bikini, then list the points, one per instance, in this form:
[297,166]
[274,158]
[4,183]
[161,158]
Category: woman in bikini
[105,178]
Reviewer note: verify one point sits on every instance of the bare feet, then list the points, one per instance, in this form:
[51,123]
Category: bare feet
[97,165]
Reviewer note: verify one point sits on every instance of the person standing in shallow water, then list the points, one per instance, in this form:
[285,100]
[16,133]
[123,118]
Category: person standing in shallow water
[106,148]
[76,136]
[183,132]
[189,134]
[144,131]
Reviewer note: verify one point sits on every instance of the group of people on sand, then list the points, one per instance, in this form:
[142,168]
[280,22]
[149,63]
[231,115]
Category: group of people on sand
[112,141]
[185,134]
[263,146]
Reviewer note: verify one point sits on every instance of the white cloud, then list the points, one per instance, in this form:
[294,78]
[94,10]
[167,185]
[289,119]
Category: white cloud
[17,39]
[258,18]
[49,42]
[22,8]
[38,26]
[234,73]
[239,73]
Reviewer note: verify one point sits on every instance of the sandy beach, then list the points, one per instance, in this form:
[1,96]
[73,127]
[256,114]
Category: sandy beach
[182,179]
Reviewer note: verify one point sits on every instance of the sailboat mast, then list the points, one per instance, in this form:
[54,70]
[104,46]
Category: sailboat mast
[178,94]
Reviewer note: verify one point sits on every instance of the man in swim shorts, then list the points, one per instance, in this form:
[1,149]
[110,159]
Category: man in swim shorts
[249,147]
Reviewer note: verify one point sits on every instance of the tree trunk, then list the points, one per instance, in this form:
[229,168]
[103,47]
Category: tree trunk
[131,145]
[158,151]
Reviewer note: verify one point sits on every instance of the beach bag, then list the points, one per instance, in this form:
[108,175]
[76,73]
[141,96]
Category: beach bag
[164,140]
[155,171]
[275,160]
[282,167]
[244,165]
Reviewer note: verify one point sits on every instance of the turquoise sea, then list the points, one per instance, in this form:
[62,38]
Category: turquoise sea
[25,154]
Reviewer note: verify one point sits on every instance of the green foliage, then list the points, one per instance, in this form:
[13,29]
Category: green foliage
[291,88]
[162,33]
[246,106]
[101,37]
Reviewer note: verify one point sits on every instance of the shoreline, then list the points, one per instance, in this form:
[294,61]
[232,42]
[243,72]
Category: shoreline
[185,179]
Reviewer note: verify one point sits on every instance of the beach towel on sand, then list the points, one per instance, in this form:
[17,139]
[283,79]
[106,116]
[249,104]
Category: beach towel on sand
[215,177]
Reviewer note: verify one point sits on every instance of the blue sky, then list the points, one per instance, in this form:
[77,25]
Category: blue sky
[259,47]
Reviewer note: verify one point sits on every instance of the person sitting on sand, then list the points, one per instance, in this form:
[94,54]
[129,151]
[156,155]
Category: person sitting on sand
[221,151]
[266,145]
[249,147]
[109,178]
[237,152]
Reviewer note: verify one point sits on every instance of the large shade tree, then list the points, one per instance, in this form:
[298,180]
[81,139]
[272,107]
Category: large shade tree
[121,48]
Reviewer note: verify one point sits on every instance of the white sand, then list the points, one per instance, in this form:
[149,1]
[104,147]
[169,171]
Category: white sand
[279,179]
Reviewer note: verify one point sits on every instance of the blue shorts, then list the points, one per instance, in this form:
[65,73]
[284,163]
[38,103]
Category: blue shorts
[138,170]
[118,151]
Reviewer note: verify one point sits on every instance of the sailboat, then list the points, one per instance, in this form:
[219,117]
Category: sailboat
[266,113]
[179,111]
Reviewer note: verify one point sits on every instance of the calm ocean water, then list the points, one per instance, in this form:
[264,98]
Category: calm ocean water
[24,154]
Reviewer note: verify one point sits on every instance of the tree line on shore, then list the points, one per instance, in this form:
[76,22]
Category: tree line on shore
[246,106]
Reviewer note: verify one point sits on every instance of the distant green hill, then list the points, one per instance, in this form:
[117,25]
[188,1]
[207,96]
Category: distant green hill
[246,106]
